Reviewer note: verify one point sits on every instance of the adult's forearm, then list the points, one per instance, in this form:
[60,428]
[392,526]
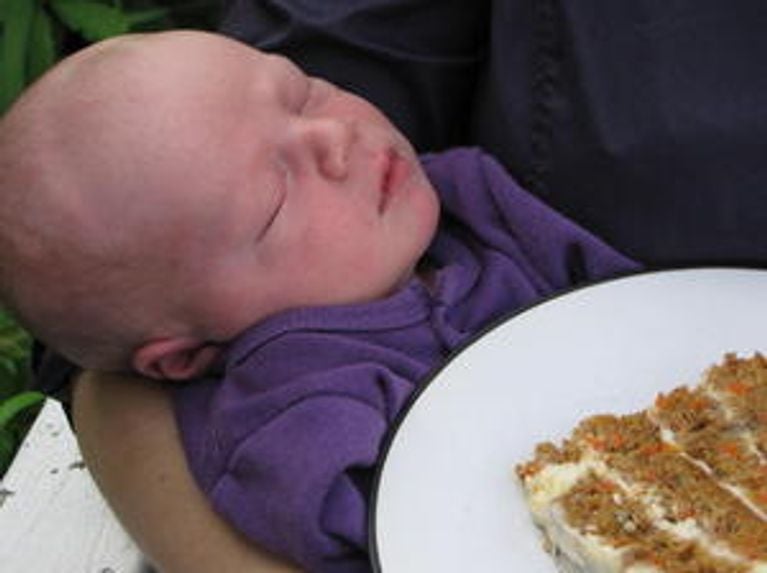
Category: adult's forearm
[129,440]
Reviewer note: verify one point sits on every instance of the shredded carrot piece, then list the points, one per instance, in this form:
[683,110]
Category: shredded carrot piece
[616,441]
[700,404]
[529,469]
[662,401]
[598,444]
[738,388]
[606,486]
[730,448]
[650,475]
[651,449]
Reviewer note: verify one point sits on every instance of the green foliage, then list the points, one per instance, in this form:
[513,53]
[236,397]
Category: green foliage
[18,406]
[17,17]
[15,345]
[42,48]
[35,34]
[92,20]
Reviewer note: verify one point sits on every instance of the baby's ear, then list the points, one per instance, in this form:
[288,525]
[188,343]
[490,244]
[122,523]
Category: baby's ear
[176,358]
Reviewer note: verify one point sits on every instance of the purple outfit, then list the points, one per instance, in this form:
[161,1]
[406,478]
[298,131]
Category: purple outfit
[285,442]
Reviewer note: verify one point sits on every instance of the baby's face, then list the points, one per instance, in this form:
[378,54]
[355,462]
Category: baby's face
[297,193]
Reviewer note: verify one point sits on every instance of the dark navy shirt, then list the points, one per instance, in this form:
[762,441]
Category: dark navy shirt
[645,121]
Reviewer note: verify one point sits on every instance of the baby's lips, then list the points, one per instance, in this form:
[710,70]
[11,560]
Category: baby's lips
[395,172]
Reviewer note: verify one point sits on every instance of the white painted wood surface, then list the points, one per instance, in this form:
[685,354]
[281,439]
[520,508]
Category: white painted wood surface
[52,517]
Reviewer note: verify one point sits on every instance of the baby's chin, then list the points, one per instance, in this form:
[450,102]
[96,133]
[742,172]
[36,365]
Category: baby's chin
[422,271]
[403,280]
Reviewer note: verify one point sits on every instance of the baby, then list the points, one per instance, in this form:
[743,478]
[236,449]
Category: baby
[184,206]
[167,191]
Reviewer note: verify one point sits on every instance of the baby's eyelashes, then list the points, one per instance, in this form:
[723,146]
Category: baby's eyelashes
[276,193]
[272,218]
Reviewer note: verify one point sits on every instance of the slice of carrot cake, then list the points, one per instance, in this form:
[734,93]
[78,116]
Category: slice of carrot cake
[678,488]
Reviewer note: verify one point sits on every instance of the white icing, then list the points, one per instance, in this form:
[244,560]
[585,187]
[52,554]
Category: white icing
[643,568]
[575,552]
[552,482]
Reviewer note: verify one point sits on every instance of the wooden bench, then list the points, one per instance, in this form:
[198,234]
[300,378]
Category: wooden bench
[52,517]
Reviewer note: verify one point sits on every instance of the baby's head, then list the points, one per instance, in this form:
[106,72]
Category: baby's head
[161,193]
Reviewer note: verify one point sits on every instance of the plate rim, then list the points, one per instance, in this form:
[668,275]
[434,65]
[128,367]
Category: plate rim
[394,429]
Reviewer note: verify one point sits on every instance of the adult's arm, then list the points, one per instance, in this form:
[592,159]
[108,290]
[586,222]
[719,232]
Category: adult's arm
[129,440]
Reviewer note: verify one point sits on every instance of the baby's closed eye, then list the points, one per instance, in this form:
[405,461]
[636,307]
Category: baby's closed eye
[277,193]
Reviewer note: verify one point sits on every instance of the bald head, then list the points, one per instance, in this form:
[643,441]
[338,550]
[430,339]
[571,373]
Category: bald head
[95,161]
[168,188]
[115,117]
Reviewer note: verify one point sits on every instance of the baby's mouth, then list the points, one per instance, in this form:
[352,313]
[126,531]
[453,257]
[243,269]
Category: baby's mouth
[394,173]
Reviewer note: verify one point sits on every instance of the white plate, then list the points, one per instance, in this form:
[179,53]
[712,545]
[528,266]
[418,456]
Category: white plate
[446,498]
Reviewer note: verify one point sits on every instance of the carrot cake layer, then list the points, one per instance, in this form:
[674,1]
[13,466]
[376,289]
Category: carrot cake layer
[678,488]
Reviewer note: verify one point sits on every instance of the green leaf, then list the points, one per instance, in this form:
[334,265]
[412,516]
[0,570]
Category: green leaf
[17,405]
[15,351]
[16,417]
[7,365]
[146,16]
[94,21]
[11,382]
[6,320]
[42,45]
[15,342]
[8,446]
[17,22]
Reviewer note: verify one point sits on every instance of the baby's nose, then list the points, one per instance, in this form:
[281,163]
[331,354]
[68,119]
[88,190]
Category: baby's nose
[328,142]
